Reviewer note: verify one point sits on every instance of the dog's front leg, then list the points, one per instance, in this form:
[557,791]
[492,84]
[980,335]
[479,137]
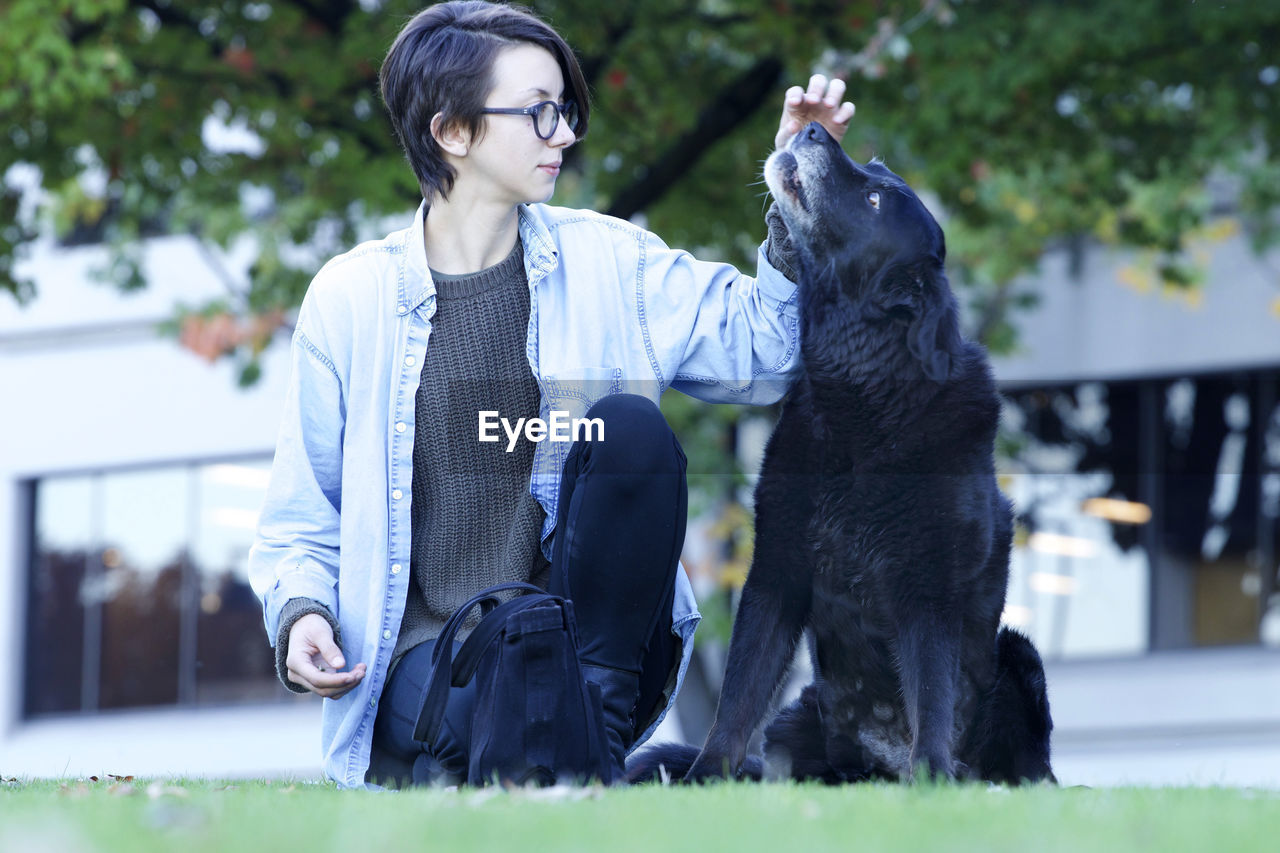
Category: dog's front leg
[763,642]
[928,669]
[774,608]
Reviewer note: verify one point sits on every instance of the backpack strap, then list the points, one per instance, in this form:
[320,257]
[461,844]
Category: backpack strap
[435,695]
[467,661]
[488,598]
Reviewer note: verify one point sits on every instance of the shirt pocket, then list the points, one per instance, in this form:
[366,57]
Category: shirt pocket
[565,396]
[574,391]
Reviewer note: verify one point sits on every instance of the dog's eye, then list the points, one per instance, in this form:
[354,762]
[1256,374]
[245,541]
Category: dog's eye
[873,199]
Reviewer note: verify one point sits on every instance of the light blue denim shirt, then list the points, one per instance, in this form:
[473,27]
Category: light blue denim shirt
[612,309]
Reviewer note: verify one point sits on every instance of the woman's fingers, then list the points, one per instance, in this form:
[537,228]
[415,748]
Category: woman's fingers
[309,674]
[835,91]
[817,88]
[820,102]
[353,678]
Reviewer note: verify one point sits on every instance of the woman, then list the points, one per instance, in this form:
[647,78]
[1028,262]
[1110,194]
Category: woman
[389,505]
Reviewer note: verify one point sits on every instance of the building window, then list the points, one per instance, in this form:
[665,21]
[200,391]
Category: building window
[1217,568]
[1079,582]
[1149,513]
[138,593]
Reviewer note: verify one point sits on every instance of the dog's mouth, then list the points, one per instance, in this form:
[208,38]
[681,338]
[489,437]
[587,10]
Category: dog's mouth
[782,173]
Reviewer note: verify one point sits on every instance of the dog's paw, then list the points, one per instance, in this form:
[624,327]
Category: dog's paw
[710,768]
[665,763]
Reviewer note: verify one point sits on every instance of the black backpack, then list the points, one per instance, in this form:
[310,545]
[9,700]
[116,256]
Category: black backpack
[536,719]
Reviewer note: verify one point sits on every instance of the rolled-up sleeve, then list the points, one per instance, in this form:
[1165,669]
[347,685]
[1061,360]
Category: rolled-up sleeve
[295,551]
[735,338]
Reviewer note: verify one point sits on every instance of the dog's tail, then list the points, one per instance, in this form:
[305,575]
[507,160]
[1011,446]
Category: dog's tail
[669,762]
[1009,739]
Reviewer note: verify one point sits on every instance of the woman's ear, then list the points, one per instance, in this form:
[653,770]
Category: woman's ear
[451,137]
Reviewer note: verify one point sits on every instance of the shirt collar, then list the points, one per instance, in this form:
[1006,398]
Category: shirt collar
[415,285]
[540,252]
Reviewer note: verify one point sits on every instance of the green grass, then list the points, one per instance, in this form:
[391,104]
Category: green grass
[194,816]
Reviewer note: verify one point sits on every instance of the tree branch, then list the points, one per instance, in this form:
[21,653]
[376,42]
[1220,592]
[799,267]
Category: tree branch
[593,66]
[735,103]
[331,14]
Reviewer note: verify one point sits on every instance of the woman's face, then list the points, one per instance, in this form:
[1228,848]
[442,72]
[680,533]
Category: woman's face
[511,164]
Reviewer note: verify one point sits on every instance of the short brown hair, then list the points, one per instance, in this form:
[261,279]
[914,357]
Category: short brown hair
[442,62]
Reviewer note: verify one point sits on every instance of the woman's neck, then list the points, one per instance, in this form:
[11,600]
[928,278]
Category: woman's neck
[467,235]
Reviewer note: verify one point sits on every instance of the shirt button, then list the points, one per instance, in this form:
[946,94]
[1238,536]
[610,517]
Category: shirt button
[402,309]
[395,568]
[373,703]
[386,635]
[397,494]
[400,427]
[408,361]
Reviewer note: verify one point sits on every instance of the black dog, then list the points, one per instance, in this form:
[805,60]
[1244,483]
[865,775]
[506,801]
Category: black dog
[879,525]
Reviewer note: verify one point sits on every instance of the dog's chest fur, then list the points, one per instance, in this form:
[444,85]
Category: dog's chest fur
[870,545]
[851,636]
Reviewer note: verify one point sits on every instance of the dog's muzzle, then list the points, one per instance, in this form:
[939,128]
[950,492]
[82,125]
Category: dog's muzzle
[782,174]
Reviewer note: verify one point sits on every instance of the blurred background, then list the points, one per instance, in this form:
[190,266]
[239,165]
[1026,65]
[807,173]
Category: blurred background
[1108,174]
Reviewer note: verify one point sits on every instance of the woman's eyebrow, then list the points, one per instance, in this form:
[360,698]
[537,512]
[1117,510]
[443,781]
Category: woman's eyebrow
[536,91]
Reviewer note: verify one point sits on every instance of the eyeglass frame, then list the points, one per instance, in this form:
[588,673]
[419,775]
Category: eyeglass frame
[532,112]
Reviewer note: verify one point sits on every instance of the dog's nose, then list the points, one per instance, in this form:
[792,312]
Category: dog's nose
[813,132]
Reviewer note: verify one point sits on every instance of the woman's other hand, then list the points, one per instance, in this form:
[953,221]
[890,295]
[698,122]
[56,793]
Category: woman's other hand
[314,659]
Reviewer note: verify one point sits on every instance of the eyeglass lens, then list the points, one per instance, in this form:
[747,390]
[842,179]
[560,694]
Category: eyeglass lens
[549,114]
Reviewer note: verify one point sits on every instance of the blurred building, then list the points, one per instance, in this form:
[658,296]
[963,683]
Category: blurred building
[131,474]
[1143,439]
[1142,427]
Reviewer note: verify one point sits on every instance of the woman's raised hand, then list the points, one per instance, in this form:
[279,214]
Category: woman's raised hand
[820,103]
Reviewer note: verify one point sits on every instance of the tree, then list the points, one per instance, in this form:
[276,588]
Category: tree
[1039,123]
[1031,123]
[113,102]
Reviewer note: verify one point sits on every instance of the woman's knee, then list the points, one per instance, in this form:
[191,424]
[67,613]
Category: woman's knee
[637,438]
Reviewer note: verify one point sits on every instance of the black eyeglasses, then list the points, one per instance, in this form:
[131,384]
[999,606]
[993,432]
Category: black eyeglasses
[545,115]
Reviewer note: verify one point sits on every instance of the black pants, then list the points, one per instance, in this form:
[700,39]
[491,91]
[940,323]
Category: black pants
[619,531]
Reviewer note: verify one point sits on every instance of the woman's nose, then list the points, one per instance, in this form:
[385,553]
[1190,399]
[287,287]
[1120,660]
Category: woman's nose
[563,137]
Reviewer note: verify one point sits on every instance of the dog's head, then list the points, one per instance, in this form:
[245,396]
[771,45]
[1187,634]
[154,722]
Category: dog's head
[862,234]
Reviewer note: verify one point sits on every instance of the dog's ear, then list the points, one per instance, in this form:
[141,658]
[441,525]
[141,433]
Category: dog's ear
[895,291]
[934,334]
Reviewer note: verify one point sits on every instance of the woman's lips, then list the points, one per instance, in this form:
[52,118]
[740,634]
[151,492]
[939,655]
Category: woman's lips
[551,169]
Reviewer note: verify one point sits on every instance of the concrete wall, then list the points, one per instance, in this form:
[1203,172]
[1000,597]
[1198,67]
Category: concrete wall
[1203,717]
[87,383]
[1104,316]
